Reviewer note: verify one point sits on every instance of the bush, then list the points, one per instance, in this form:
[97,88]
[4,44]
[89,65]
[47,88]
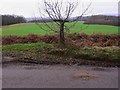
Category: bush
[74,39]
[32,38]
[95,40]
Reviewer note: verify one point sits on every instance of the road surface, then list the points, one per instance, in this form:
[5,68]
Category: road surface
[58,76]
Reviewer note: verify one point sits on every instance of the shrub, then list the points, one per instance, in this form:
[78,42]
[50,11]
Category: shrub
[73,39]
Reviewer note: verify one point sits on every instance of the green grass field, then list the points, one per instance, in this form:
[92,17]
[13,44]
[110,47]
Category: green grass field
[32,28]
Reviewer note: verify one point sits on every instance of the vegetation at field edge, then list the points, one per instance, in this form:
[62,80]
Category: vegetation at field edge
[44,51]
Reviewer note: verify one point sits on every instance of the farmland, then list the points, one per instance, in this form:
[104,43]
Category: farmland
[99,43]
[32,28]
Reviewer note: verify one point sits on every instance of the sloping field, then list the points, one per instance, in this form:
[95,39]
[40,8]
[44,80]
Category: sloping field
[32,28]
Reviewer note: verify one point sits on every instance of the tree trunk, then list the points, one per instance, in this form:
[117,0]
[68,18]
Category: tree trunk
[62,38]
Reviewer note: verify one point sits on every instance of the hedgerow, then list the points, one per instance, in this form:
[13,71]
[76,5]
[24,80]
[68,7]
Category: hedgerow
[81,40]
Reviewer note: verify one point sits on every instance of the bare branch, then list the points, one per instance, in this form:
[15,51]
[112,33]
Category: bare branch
[79,17]
[70,9]
[59,15]
[45,22]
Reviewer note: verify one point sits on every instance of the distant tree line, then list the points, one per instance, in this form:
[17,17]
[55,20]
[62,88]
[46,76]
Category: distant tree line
[95,19]
[40,20]
[12,19]
[103,20]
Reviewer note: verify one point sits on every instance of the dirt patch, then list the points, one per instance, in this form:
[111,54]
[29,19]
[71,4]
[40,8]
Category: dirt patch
[54,61]
[8,59]
[85,75]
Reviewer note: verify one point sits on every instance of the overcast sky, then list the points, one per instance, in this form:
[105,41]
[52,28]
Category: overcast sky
[29,8]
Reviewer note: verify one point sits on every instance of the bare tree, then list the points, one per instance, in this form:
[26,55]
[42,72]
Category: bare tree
[59,14]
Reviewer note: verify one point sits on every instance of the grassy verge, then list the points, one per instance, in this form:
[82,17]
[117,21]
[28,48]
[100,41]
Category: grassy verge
[90,53]
[26,47]
[48,52]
